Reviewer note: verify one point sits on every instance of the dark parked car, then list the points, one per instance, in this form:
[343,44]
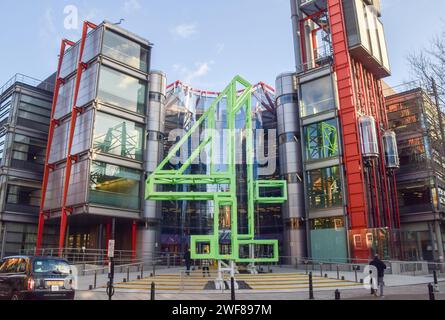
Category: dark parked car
[35,278]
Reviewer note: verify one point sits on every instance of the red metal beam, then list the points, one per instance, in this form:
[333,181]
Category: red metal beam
[70,158]
[52,126]
[353,162]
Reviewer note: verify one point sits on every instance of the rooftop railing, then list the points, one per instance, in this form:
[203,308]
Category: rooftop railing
[21,78]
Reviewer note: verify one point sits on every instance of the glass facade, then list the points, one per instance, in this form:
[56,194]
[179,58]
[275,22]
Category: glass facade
[34,113]
[5,108]
[122,90]
[126,51]
[182,219]
[324,188]
[117,136]
[28,153]
[328,239]
[2,145]
[321,140]
[415,196]
[23,199]
[317,96]
[413,117]
[115,186]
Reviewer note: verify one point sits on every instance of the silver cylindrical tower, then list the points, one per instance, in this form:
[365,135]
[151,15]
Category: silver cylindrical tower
[291,164]
[297,33]
[148,233]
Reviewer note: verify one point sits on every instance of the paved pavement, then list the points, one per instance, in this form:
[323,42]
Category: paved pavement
[412,292]
[398,288]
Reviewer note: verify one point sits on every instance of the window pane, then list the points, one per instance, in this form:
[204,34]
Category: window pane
[28,153]
[5,108]
[35,101]
[321,140]
[324,188]
[118,136]
[24,196]
[125,50]
[122,90]
[2,145]
[317,96]
[115,186]
[328,223]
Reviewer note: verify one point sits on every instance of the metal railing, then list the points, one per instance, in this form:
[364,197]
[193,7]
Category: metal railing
[84,256]
[21,78]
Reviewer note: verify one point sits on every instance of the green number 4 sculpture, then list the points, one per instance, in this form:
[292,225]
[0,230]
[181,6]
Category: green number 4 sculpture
[226,242]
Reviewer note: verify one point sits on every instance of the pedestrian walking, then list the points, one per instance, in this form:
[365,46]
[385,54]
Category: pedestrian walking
[381,267]
[188,262]
[205,268]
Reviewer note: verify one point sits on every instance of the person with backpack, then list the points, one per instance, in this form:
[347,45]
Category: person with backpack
[381,267]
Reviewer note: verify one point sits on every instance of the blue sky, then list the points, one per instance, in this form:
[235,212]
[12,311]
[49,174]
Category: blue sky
[202,42]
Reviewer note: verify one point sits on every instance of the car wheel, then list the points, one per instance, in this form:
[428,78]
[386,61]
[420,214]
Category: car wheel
[16,296]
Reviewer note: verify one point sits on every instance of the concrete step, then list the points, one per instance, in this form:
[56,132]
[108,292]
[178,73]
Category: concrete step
[261,282]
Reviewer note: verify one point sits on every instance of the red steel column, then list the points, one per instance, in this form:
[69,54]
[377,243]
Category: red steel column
[353,161]
[52,126]
[70,158]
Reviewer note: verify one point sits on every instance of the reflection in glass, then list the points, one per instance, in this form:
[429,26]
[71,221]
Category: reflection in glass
[122,90]
[118,136]
[21,195]
[321,140]
[317,96]
[324,188]
[125,51]
[29,153]
[114,186]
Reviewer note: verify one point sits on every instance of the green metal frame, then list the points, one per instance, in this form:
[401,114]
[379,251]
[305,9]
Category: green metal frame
[329,135]
[236,101]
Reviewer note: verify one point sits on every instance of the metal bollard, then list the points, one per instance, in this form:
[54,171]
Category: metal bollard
[431,291]
[95,279]
[321,270]
[232,289]
[311,287]
[142,271]
[338,273]
[371,282]
[128,274]
[337,295]
[153,292]
[436,283]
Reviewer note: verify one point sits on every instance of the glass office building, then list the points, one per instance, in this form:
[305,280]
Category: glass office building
[109,141]
[346,205]
[421,179]
[25,106]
